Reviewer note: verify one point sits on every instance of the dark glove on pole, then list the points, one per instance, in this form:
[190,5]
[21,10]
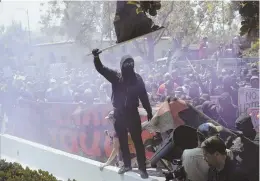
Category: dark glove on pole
[96,52]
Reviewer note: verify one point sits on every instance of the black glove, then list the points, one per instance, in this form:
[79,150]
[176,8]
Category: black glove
[149,116]
[96,52]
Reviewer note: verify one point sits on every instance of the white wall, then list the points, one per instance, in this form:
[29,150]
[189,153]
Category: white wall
[61,164]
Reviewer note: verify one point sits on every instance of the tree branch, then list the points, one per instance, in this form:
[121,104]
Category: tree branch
[169,12]
[157,39]
[164,20]
[138,48]
[197,28]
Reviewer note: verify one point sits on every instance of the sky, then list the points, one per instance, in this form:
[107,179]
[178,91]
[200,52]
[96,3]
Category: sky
[16,10]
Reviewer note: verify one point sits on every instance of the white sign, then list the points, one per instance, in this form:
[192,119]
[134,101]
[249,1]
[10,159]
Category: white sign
[247,98]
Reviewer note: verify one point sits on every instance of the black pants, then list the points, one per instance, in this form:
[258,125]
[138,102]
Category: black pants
[129,121]
[131,24]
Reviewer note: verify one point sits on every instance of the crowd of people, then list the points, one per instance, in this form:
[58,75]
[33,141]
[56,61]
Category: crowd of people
[197,89]
[210,89]
[78,84]
[195,83]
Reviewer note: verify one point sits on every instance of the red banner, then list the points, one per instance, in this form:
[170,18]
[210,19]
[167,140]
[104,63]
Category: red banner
[69,127]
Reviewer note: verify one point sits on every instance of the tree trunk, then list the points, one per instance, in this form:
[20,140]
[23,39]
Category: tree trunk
[151,45]
[109,19]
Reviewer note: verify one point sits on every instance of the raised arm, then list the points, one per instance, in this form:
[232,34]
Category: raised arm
[109,74]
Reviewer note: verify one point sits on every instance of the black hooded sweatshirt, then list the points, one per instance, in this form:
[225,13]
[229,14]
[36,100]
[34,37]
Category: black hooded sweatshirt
[127,87]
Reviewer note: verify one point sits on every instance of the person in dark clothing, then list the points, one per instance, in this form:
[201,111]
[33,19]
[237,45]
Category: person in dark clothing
[244,124]
[127,88]
[254,81]
[210,109]
[131,20]
[246,151]
[227,86]
[227,110]
[194,91]
[203,48]
[222,167]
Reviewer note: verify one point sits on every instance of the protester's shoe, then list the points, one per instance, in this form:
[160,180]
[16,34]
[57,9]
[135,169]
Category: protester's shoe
[124,169]
[143,174]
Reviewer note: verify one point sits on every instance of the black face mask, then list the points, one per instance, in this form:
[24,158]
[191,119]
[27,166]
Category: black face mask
[128,74]
[128,65]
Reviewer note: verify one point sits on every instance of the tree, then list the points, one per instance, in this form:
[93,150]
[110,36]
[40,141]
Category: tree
[249,12]
[14,40]
[77,20]
[194,19]
[51,19]
[107,28]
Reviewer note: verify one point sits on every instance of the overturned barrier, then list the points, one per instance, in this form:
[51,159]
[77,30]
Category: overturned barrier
[61,164]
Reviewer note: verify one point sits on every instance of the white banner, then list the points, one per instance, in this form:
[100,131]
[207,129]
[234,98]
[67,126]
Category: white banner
[247,98]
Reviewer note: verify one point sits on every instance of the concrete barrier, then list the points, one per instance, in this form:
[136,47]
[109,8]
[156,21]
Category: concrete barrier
[61,164]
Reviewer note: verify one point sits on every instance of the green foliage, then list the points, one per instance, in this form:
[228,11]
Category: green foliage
[77,20]
[81,20]
[13,39]
[214,19]
[249,12]
[15,172]
[108,10]
[253,51]
[14,42]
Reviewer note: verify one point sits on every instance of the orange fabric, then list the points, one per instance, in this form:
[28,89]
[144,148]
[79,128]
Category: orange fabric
[161,89]
[131,144]
[164,107]
[176,107]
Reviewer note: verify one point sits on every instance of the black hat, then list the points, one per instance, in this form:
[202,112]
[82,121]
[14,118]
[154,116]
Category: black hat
[244,122]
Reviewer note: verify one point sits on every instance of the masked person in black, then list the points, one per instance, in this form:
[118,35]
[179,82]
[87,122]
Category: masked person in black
[246,151]
[127,88]
[131,20]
